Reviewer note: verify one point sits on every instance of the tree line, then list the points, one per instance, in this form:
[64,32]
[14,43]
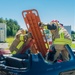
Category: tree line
[11,25]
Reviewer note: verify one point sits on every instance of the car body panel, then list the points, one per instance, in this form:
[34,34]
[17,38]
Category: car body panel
[39,66]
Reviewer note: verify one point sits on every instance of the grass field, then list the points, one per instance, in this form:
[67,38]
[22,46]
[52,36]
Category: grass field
[9,40]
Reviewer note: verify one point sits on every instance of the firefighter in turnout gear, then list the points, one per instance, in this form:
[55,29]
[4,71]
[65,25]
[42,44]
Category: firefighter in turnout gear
[60,37]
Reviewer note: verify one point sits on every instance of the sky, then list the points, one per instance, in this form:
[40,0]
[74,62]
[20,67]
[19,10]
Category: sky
[62,10]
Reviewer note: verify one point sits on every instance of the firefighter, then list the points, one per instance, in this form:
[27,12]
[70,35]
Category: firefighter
[60,37]
[19,41]
[23,43]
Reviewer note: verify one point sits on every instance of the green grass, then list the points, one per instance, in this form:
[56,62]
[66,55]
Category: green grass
[9,40]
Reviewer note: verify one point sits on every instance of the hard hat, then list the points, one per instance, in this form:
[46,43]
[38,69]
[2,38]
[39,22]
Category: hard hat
[53,21]
[56,21]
